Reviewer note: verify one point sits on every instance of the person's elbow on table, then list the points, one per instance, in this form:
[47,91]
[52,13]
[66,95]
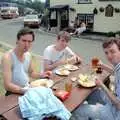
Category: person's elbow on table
[15,88]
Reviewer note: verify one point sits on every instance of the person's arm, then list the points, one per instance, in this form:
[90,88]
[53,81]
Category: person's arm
[74,58]
[106,67]
[49,66]
[7,75]
[112,97]
[36,75]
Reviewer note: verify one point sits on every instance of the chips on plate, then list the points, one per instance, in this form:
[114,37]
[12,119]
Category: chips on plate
[62,71]
[70,67]
[42,82]
[86,80]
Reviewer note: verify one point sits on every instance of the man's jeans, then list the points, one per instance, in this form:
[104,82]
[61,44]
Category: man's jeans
[94,110]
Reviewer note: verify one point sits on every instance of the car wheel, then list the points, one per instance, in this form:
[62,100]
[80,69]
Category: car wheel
[38,26]
[24,25]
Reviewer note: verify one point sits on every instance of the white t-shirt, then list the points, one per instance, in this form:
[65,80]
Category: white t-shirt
[81,29]
[51,54]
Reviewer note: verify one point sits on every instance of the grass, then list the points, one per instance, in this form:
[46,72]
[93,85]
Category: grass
[3,49]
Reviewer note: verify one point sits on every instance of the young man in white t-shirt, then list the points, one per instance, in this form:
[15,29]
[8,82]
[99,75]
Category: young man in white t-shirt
[59,53]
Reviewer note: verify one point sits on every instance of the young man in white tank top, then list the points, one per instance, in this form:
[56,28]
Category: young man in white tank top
[17,64]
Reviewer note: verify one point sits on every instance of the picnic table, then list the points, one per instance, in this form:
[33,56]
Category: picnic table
[9,107]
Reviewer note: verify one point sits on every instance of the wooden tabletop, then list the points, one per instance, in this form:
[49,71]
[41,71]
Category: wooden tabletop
[13,114]
[8,102]
[9,105]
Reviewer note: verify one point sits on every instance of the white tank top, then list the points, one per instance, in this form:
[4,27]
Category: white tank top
[20,70]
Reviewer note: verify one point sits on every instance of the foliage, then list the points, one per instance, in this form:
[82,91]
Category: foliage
[118,32]
[37,5]
[111,34]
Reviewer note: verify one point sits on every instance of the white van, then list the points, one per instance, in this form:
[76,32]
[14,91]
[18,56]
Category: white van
[9,12]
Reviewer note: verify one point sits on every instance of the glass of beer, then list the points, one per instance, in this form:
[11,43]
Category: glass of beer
[95,62]
[68,86]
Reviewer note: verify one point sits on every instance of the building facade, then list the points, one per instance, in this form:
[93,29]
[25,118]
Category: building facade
[99,15]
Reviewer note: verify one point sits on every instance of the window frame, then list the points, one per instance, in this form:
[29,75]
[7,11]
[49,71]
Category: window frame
[109,0]
[84,1]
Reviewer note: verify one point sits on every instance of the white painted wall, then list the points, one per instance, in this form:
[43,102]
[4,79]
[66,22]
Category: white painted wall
[106,24]
[101,22]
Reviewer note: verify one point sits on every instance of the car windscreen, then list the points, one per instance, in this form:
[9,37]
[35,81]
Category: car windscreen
[31,17]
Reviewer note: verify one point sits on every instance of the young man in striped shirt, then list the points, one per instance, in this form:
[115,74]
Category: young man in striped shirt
[110,110]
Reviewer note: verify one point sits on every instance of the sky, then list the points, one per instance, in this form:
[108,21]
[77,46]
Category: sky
[42,0]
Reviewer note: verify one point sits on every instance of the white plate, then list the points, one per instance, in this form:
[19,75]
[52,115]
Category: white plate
[42,82]
[62,72]
[71,67]
[87,80]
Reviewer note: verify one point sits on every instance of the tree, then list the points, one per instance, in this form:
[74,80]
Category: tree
[28,3]
[38,6]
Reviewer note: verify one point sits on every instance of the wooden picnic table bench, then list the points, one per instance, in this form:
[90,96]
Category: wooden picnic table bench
[77,96]
[8,102]
[9,107]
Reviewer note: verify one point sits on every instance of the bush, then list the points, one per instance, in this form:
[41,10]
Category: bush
[111,34]
[118,32]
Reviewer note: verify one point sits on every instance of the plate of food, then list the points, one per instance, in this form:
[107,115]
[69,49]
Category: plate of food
[71,67]
[62,71]
[86,80]
[42,82]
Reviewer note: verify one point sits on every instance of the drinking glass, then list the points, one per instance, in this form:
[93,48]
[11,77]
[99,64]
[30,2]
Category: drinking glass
[94,62]
[68,86]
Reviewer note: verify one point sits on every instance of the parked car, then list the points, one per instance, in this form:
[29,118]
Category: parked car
[31,21]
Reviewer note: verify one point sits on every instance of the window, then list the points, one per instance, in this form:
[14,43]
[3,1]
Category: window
[88,20]
[109,0]
[109,11]
[53,15]
[64,15]
[82,1]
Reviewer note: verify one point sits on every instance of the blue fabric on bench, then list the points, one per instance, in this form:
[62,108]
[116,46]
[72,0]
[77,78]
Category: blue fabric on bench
[40,102]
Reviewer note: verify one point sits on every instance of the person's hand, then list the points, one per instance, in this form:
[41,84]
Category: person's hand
[78,60]
[25,89]
[46,74]
[98,82]
[49,73]
[100,63]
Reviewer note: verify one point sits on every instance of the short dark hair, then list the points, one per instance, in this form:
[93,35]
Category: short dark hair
[107,43]
[65,35]
[25,31]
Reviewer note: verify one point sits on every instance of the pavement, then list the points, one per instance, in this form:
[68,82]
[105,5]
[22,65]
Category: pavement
[94,37]
[83,36]
[89,36]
